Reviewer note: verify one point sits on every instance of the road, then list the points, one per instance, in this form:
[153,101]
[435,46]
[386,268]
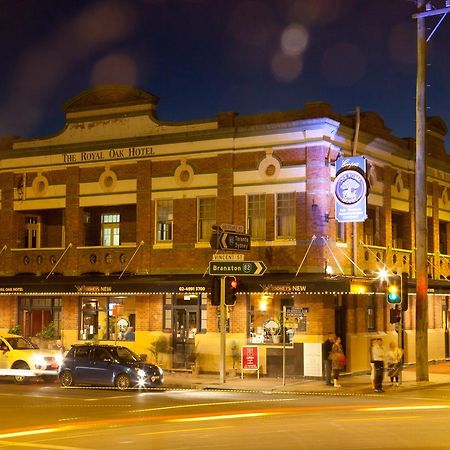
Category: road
[46,416]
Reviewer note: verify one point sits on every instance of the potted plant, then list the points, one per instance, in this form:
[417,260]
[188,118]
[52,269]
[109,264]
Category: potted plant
[193,359]
[15,330]
[235,355]
[47,334]
[157,347]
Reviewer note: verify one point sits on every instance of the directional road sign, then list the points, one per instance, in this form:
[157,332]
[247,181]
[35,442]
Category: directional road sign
[240,268]
[234,241]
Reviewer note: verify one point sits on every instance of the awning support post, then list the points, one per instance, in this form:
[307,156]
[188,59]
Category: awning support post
[57,262]
[131,259]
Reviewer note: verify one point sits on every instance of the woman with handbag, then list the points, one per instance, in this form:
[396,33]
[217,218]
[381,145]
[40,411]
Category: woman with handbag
[337,360]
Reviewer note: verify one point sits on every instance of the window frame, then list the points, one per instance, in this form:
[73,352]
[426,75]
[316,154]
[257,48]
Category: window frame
[259,208]
[205,223]
[165,234]
[290,216]
[110,229]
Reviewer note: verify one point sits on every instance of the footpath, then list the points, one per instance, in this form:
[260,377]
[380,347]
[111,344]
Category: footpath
[439,375]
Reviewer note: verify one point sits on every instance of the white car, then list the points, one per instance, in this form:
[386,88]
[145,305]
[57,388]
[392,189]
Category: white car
[22,359]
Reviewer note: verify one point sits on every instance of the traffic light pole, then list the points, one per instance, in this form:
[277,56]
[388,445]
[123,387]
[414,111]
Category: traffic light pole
[223,324]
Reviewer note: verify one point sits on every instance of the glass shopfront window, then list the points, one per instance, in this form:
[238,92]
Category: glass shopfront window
[266,319]
[107,318]
[35,314]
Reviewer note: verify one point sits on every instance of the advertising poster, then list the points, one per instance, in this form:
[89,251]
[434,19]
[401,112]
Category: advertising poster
[250,357]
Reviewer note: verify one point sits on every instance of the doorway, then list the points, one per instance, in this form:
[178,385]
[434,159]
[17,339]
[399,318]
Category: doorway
[185,327]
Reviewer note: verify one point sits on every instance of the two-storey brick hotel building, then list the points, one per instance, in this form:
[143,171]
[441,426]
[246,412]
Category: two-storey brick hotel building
[106,226]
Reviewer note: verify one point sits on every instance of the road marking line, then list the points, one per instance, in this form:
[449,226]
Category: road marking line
[29,444]
[222,417]
[405,408]
[370,419]
[198,405]
[184,430]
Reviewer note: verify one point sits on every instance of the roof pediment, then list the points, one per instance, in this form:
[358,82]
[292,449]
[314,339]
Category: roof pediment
[111,95]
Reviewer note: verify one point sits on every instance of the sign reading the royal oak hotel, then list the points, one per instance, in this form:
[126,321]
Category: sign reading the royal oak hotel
[351,189]
[104,155]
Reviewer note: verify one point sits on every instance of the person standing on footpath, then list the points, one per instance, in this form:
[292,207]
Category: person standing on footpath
[337,360]
[327,346]
[372,365]
[394,362]
[378,361]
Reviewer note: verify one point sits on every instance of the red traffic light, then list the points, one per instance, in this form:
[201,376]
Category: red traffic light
[230,291]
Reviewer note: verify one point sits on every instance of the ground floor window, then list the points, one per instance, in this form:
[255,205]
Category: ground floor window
[107,318]
[36,314]
[265,318]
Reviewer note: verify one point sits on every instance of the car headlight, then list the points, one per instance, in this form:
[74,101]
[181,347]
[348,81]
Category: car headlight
[161,372]
[39,361]
[59,359]
[141,373]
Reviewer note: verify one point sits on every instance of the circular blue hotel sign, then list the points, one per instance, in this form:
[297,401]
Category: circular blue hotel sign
[350,187]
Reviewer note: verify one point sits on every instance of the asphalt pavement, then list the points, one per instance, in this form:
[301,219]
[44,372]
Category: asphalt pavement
[439,375]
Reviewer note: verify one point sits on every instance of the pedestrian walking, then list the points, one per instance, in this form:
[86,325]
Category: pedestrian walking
[327,346]
[372,364]
[394,362]
[378,361]
[337,360]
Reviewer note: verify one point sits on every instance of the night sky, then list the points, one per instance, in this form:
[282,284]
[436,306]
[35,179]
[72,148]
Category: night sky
[202,57]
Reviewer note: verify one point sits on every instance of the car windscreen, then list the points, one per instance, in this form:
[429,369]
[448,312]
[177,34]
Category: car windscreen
[126,355]
[21,343]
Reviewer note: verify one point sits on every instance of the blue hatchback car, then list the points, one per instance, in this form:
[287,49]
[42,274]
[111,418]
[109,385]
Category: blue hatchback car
[108,365]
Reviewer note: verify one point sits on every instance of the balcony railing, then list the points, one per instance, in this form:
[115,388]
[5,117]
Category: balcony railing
[39,261]
[400,260]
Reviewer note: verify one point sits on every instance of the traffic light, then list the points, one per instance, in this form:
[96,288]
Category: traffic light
[405,291]
[394,290]
[230,290]
[395,314]
[215,291]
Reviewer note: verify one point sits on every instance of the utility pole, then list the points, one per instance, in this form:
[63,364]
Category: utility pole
[421,205]
[423,10]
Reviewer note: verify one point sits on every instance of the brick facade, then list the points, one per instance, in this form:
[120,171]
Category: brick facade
[96,166]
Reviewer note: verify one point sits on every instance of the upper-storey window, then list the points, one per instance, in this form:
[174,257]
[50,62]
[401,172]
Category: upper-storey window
[164,220]
[397,230]
[110,229]
[256,216]
[372,227]
[443,248]
[285,216]
[206,217]
[32,232]
[341,234]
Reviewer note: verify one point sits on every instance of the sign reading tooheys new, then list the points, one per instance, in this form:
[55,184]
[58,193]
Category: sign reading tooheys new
[350,189]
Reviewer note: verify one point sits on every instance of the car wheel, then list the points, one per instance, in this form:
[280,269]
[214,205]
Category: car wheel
[21,379]
[122,382]
[66,379]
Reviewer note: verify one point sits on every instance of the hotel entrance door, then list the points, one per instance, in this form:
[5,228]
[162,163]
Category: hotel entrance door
[185,328]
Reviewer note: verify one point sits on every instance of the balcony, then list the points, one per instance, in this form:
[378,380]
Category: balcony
[393,259]
[72,261]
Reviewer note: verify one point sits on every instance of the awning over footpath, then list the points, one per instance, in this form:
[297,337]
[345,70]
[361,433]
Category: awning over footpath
[102,285]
